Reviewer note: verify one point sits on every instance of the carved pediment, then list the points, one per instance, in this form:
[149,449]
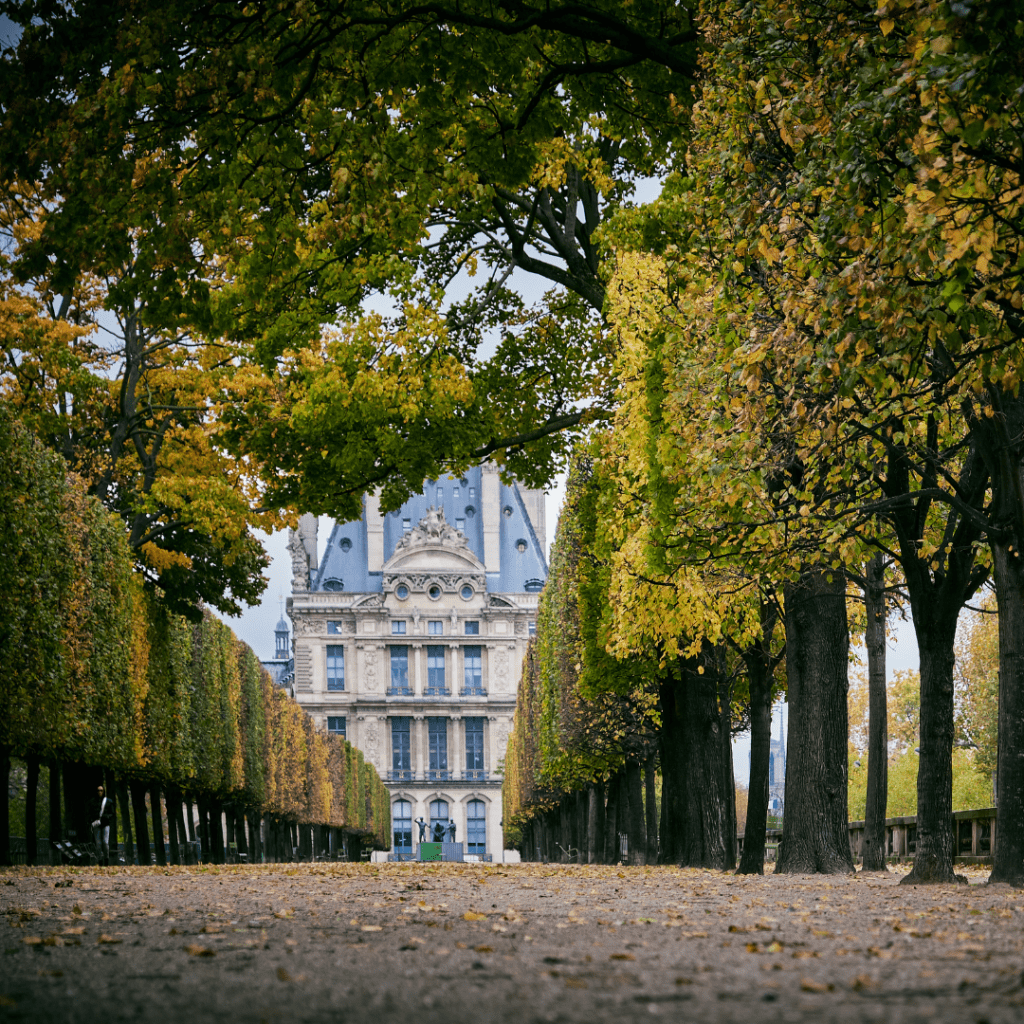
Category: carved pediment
[433,547]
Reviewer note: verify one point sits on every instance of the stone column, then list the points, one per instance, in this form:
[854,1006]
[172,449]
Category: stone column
[452,671]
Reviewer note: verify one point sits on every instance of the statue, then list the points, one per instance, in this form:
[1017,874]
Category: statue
[422,826]
[300,562]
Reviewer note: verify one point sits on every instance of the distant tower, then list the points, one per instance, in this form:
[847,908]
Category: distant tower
[281,645]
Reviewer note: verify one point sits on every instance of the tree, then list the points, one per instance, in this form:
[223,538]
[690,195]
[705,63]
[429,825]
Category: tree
[392,147]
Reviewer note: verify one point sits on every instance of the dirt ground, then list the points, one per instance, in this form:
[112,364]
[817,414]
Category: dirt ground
[545,943]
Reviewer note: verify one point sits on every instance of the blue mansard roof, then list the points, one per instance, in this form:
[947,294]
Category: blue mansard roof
[346,560]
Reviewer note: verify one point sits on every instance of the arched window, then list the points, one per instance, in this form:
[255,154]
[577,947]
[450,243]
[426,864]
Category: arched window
[401,823]
[438,815]
[476,827]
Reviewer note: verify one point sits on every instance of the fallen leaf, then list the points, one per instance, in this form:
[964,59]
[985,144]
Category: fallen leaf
[483,949]
[196,950]
[810,985]
[622,956]
[283,975]
[32,940]
[472,915]
[74,931]
[108,940]
[371,928]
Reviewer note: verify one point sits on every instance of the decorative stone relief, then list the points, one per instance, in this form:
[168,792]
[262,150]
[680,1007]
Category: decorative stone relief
[371,743]
[310,627]
[432,529]
[370,681]
[520,627]
[373,601]
[500,740]
[500,669]
[420,583]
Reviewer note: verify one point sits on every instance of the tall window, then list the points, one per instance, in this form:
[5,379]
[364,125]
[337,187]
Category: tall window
[438,814]
[435,669]
[474,671]
[440,496]
[335,667]
[476,827]
[474,748]
[336,725]
[401,757]
[435,627]
[401,824]
[437,735]
[400,669]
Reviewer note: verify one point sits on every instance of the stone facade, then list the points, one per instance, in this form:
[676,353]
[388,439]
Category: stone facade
[409,638]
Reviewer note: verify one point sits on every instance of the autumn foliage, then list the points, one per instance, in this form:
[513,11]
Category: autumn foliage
[99,672]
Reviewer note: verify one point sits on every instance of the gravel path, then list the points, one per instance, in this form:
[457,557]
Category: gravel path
[381,943]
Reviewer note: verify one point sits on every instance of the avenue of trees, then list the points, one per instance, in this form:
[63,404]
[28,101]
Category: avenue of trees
[102,684]
[791,383]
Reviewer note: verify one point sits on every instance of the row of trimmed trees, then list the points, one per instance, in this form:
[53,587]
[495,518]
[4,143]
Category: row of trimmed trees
[104,685]
[820,352]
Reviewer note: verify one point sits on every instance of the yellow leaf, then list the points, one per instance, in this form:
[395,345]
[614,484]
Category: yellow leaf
[809,985]
[887,26]
[472,915]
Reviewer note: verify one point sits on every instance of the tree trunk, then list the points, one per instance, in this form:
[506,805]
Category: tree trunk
[592,802]
[205,840]
[651,808]
[138,791]
[190,819]
[599,830]
[1008,858]
[611,821]
[229,824]
[636,825]
[55,819]
[256,835]
[77,801]
[815,838]
[240,838]
[873,846]
[728,775]
[175,835]
[1004,454]
[933,857]
[760,682]
[216,832]
[704,822]
[5,805]
[158,824]
[110,791]
[672,740]
[31,807]
[121,788]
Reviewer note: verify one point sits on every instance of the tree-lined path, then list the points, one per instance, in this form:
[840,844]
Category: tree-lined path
[524,943]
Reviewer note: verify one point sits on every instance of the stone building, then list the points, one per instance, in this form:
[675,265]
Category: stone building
[281,666]
[409,640]
[777,772]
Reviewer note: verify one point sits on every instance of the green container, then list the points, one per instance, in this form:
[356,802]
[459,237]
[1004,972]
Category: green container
[430,851]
